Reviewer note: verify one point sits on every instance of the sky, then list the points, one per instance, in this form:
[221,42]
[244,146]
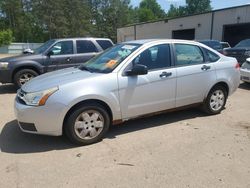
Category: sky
[216,4]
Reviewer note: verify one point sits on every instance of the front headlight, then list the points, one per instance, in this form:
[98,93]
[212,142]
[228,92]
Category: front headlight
[247,53]
[4,65]
[38,98]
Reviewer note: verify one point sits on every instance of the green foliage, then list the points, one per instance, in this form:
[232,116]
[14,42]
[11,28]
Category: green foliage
[5,37]
[40,20]
[154,7]
[192,7]
[198,6]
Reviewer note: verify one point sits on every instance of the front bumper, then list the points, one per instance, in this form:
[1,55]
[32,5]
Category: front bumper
[5,76]
[245,75]
[46,120]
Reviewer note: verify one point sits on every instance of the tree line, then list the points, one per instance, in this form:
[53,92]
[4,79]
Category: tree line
[40,20]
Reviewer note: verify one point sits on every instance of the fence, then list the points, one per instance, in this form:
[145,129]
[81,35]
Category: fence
[17,48]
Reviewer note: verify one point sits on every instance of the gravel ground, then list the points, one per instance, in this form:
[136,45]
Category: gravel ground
[180,149]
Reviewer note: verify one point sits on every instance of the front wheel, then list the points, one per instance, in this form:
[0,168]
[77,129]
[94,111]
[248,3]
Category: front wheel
[23,76]
[215,101]
[87,124]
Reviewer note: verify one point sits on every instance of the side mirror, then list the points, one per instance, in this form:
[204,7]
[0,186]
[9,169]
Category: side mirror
[50,53]
[137,69]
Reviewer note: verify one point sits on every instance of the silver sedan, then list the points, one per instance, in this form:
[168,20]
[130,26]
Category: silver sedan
[129,80]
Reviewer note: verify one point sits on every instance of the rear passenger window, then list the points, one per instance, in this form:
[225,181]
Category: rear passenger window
[188,54]
[156,57]
[212,57]
[104,44]
[85,46]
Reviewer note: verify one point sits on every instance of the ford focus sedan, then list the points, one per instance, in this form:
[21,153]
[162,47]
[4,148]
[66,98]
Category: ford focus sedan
[129,80]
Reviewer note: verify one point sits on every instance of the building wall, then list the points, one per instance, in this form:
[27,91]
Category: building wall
[227,17]
[202,24]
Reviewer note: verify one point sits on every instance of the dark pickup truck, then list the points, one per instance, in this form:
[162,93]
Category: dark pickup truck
[241,51]
[52,55]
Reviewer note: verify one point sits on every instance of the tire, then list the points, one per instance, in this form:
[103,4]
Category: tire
[23,76]
[216,100]
[82,128]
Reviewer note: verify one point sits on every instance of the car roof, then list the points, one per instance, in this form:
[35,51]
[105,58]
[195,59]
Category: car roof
[83,38]
[148,41]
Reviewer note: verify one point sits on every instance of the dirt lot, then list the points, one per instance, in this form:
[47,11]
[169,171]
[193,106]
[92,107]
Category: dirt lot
[181,149]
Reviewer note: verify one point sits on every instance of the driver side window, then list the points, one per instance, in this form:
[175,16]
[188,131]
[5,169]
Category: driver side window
[62,48]
[156,57]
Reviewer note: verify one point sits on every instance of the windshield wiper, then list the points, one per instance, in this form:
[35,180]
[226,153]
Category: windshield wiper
[83,67]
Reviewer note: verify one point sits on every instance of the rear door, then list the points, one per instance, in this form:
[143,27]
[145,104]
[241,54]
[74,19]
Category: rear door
[195,75]
[60,55]
[85,50]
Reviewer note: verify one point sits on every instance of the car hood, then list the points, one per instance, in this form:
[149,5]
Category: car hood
[56,79]
[20,57]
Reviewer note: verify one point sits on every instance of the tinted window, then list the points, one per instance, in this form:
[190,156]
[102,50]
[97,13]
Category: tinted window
[85,46]
[188,54]
[212,57]
[225,45]
[62,48]
[244,43]
[104,44]
[155,57]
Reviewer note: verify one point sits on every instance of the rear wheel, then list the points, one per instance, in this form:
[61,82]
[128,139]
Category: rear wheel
[23,76]
[87,124]
[216,100]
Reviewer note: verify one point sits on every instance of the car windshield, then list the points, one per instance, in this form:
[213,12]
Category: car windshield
[44,47]
[244,43]
[107,61]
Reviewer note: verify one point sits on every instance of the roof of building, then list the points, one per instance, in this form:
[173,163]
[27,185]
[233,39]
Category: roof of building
[172,18]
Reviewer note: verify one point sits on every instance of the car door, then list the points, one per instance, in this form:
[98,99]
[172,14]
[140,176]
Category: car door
[194,74]
[60,56]
[153,92]
[85,50]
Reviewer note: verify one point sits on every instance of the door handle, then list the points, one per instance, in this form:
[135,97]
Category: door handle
[68,59]
[165,74]
[205,67]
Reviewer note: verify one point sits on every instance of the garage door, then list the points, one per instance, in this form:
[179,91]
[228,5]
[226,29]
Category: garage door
[235,33]
[186,34]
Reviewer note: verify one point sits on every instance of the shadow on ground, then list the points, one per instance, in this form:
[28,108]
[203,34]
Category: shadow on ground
[7,88]
[12,140]
[245,85]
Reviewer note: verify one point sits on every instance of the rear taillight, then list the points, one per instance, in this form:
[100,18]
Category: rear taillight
[237,66]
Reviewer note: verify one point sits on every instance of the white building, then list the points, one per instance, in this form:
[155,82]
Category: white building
[229,24]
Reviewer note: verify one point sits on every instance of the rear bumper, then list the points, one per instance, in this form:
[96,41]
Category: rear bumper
[5,76]
[245,75]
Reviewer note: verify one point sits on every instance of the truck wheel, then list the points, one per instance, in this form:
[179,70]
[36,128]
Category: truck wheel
[216,100]
[87,124]
[23,76]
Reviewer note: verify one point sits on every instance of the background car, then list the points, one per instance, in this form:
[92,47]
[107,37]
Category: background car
[241,51]
[130,80]
[52,55]
[245,71]
[214,44]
